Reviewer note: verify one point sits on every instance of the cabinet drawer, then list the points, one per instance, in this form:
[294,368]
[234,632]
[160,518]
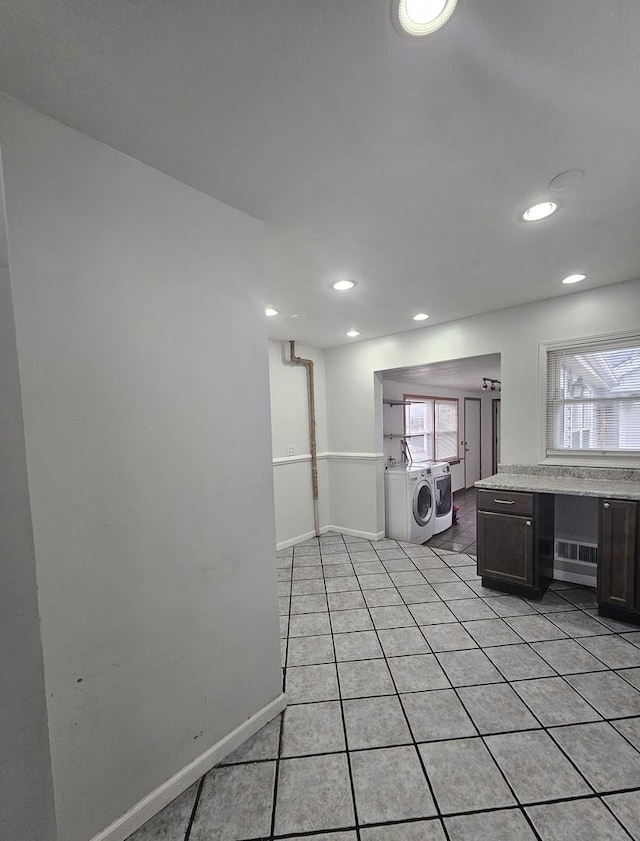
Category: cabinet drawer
[505,502]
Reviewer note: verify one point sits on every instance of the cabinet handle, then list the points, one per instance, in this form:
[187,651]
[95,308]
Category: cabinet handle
[528,522]
[606,505]
[505,501]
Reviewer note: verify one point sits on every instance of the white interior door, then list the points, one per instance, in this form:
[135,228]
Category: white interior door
[472,438]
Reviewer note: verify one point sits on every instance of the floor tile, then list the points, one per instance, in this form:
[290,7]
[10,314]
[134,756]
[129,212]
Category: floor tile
[470,609]
[460,560]
[284,626]
[407,579]
[433,613]
[324,836]
[419,594]
[417,673]
[308,587]
[450,637]
[415,831]
[495,708]
[368,567]
[632,676]
[343,621]
[172,822]
[633,638]
[613,651]
[554,702]
[284,588]
[342,584]
[312,683]
[608,693]
[586,820]
[235,803]
[309,625]
[535,628]
[300,573]
[262,745]
[509,606]
[581,597]
[376,799]
[358,645]
[464,776]
[535,767]
[626,807]
[374,582]
[448,592]
[505,825]
[399,641]
[440,576]
[576,623]
[437,714]
[403,564]
[431,561]
[312,728]
[391,554]
[551,603]
[283,605]
[567,657]
[468,668]
[395,617]
[314,793]
[382,597]
[345,601]
[364,678]
[307,651]
[308,604]
[375,722]
[338,571]
[467,573]
[488,632]
[603,757]
[630,729]
[519,662]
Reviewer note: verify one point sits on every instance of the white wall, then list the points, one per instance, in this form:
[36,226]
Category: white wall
[290,428]
[354,391]
[139,312]
[26,795]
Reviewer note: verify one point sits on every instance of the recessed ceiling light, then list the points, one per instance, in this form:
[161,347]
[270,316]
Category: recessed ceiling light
[574,278]
[270,311]
[353,333]
[343,285]
[418,18]
[420,316]
[566,179]
[540,211]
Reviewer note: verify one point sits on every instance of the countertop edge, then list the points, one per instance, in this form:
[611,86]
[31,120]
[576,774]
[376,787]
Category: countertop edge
[569,486]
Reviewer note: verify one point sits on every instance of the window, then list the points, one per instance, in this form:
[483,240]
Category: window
[593,398]
[431,427]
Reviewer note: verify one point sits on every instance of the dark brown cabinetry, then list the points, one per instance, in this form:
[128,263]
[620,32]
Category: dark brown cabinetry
[618,574]
[515,541]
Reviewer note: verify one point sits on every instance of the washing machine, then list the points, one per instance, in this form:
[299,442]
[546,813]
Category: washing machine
[409,503]
[443,500]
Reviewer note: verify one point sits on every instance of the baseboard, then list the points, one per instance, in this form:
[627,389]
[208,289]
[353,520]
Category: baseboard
[150,805]
[368,535]
[284,544]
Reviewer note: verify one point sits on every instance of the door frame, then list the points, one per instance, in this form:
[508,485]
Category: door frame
[495,408]
[479,401]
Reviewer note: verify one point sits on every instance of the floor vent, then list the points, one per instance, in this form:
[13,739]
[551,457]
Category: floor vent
[574,550]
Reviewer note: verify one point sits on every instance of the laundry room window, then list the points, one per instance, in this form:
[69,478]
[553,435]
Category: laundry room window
[431,427]
[593,399]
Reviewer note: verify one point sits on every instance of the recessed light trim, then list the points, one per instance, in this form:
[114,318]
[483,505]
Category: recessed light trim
[540,211]
[574,278]
[353,333]
[421,316]
[566,179]
[343,285]
[270,312]
[418,18]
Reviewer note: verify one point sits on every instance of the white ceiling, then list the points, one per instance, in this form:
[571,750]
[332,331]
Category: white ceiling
[401,164]
[463,374]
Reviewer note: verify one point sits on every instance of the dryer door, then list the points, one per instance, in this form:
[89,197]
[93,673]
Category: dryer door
[422,503]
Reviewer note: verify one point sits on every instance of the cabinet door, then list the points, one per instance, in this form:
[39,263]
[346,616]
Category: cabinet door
[506,548]
[617,567]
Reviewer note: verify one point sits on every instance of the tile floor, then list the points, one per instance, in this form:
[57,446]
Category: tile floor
[424,707]
[460,537]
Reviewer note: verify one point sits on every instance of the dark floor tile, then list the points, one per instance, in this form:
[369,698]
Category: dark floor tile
[586,820]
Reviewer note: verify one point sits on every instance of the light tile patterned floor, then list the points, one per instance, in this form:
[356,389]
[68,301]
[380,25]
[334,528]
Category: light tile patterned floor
[425,707]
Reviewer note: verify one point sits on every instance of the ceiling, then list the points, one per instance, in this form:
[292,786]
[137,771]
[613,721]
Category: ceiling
[463,374]
[400,164]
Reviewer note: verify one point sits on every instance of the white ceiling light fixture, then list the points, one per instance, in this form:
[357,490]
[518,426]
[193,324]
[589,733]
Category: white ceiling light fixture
[421,316]
[540,211]
[343,285]
[353,333]
[574,278]
[270,312]
[418,18]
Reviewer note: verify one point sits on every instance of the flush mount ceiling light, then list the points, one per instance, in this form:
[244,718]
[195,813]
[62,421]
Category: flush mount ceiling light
[574,278]
[417,18]
[343,285]
[421,316]
[270,312]
[353,333]
[540,211]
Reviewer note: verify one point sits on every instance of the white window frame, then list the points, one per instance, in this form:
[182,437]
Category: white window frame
[427,398]
[577,458]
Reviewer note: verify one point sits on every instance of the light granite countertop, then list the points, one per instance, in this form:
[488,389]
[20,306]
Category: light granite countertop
[558,484]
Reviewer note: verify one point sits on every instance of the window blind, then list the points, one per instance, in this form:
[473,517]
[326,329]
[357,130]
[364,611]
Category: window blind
[593,397]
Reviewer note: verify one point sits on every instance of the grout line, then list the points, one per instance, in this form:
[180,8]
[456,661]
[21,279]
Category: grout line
[196,803]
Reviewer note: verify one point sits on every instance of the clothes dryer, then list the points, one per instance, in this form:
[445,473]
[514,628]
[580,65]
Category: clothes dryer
[443,500]
[409,503]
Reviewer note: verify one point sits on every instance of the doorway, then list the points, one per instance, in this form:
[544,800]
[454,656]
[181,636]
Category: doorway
[472,440]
